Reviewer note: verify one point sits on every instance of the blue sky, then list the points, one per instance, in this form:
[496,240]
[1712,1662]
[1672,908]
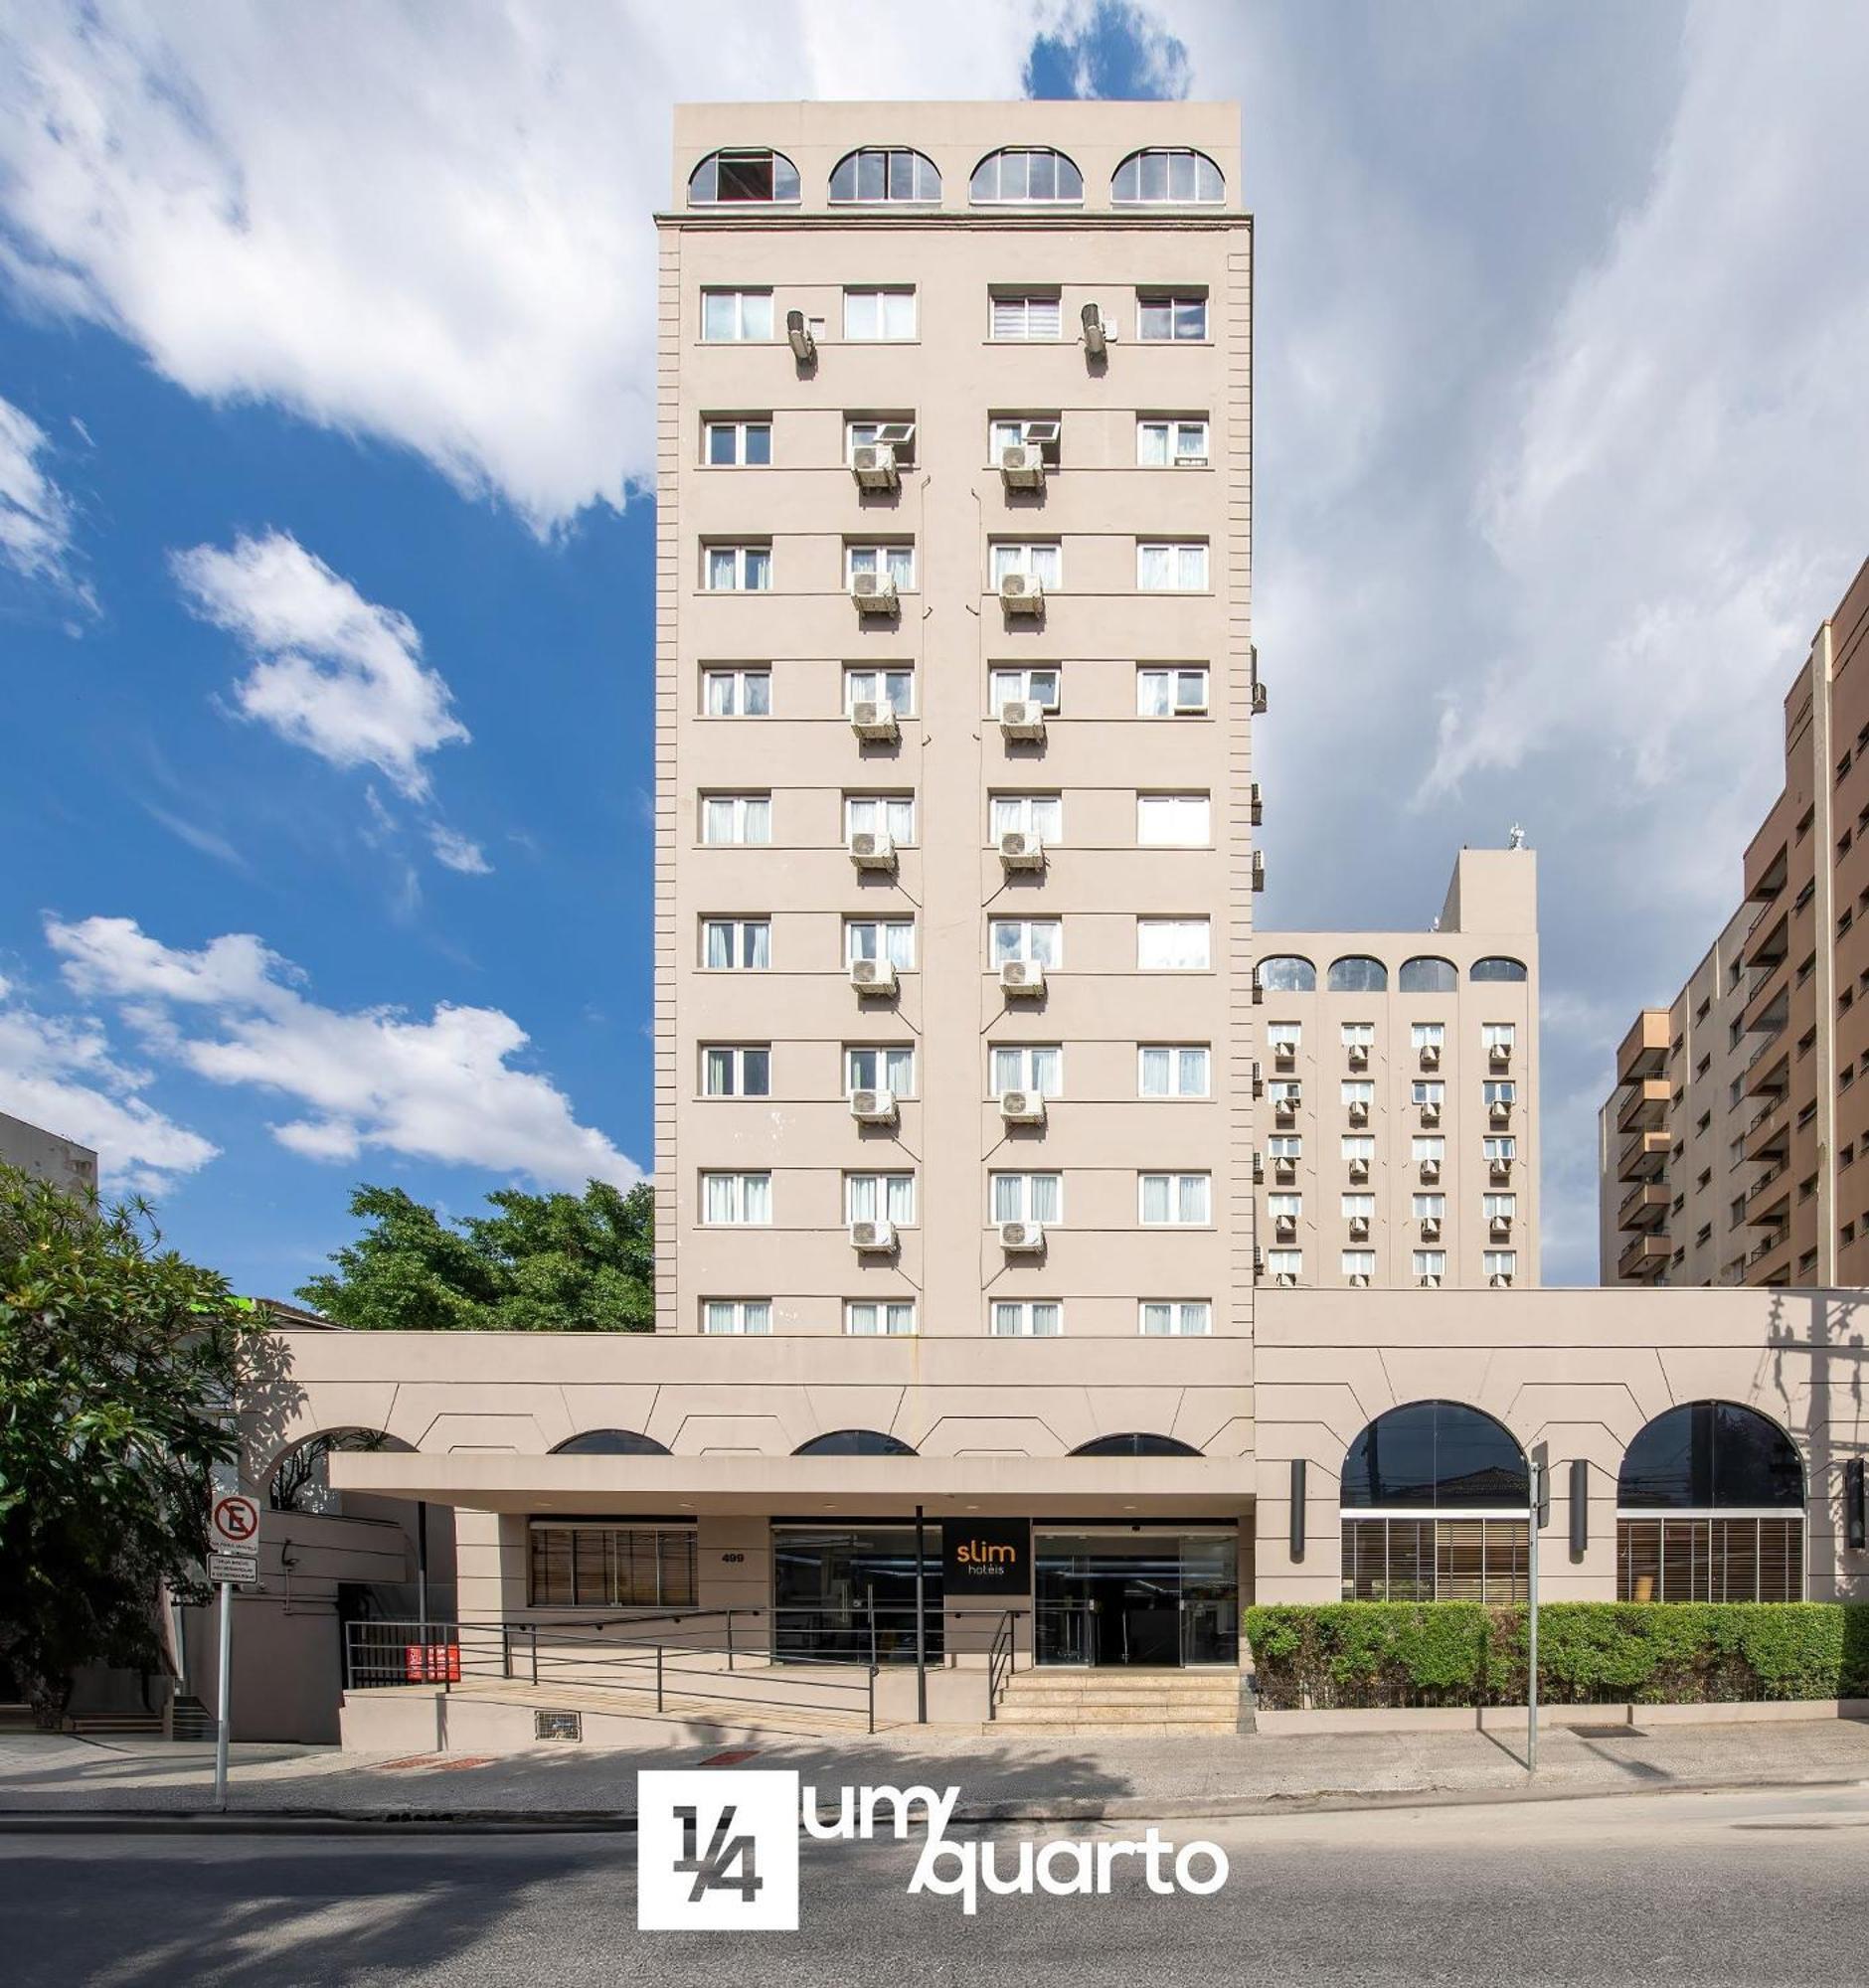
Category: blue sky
[324,581]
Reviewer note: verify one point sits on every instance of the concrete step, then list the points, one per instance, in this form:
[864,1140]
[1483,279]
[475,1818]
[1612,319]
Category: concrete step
[1124,1718]
[1161,1729]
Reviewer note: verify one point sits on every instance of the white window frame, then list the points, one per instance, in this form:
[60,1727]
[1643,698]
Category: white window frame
[1427,1035]
[1026,1195]
[883,690]
[1498,1205]
[1178,1187]
[1028,930]
[1183,933]
[894,1068]
[1498,1035]
[738,932]
[1356,1091]
[1358,1146]
[888,939]
[1033,307]
[1173,682]
[1042,559]
[1175,1055]
[891,1191]
[740,1194]
[1007,685]
[1357,1263]
[1042,815]
[1174,821]
[737,426]
[1429,1146]
[1018,1318]
[738,680]
[1285,1206]
[1187,561]
[1285,1146]
[737,1052]
[1501,1091]
[1043,1078]
[1284,1090]
[740,551]
[1175,1318]
[748,819]
[1504,1264]
[750,1318]
[1427,1090]
[1045,432]
[1284,1263]
[1177,302]
[1430,1262]
[1357,1206]
[880,1318]
[892,815]
[1183,439]
[894,325]
[1428,1208]
[864,431]
[1281,1035]
[740,335]
[893,557]
[1501,1146]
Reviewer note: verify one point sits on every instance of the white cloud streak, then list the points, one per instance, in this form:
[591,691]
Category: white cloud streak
[36,516]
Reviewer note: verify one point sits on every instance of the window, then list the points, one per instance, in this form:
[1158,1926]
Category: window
[1037,939]
[880,814]
[737,1199]
[1032,1066]
[1175,1318]
[736,316]
[1042,815]
[1182,1199]
[1357,973]
[1173,820]
[737,818]
[731,1069]
[1427,1035]
[736,445]
[1358,1207]
[1358,1262]
[1285,1206]
[892,940]
[1285,1091]
[1171,945]
[1501,1207]
[1428,974]
[1026,1198]
[887,1067]
[1039,432]
[1500,1149]
[880,1197]
[1288,973]
[1496,968]
[1171,444]
[1034,315]
[895,688]
[1501,1263]
[747,1316]
[1036,1320]
[1357,1035]
[896,562]
[1171,567]
[594,1565]
[885,173]
[1171,318]
[1435,1456]
[1284,1038]
[1429,1206]
[864,1320]
[1026,173]
[864,431]
[1358,1146]
[1170,693]
[1284,1264]
[1173,1069]
[1287,1146]
[1427,1147]
[1501,1091]
[738,568]
[737,693]
[1427,1090]
[1423,1557]
[1166,174]
[736,945]
[1043,561]
[879,314]
[1430,1262]
[1356,1091]
[1503,1035]
[1040,687]
[760,175]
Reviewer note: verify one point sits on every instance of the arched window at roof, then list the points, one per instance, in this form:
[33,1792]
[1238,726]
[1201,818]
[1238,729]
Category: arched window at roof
[1428,973]
[1439,1456]
[1167,175]
[885,173]
[1496,966]
[1028,173]
[1709,1456]
[610,1442]
[1357,973]
[854,1442]
[1288,973]
[300,1478]
[1135,1443]
[739,178]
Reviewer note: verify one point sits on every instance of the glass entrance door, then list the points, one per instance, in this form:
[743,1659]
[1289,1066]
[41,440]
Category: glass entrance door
[1147,1598]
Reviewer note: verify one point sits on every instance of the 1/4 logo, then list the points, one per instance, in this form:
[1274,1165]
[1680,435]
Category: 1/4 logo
[717,1851]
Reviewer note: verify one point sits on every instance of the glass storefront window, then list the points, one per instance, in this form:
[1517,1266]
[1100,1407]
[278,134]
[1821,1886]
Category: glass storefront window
[1158,1599]
[1426,1559]
[612,1567]
[824,1578]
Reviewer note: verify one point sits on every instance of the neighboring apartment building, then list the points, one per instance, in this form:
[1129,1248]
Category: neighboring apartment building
[1801,1007]
[1398,1141]
[63,1162]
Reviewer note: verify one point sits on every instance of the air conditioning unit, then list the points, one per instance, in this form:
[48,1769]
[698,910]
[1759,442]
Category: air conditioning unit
[1287,1278]
[1021,593]
[873,1108]
[872,463]
[1431,1170]
[1021,850]
[1499,1054]
[1284,1169]
[871,1236]
[1359,1056]
[1431,1056]
[1430,1227]
[1359,1228]
[798,333]
[1256,806]
[1022,976]
[1258,700]
[1286,1111]
[1499,1228]
[1286,1055]
[1258,1082]
[1359,1113]
[874,592]
[1022,1237]
[1023,466]
[1022,718]
[1359,1280]
[1429,1283]
[1500,1170]
[870,850]
[1258,1171]
[1259,869]
[1499,1112]
[1359,1170]
[1285,1227]
[870,718]
[1501,1281]
[1022,1108]
[872,976]
[1099,331]
[1431,1112]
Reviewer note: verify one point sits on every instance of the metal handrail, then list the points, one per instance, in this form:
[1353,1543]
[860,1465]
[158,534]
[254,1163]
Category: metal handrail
[1001,1652]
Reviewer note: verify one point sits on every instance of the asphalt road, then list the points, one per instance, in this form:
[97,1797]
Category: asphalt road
[1664,1888]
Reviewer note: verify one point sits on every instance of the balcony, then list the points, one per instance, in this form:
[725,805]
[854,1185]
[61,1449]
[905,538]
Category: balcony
[1644,1207]
[1769,1070]
[1769,1003]
[1768,1200]
[1645,1260]
[1769,858]
[1767,943]
[1768,1132]
[1642,1157]
[1644,1050]
[1646,1106]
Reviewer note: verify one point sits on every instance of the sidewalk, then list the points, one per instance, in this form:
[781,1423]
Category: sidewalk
[47,1775]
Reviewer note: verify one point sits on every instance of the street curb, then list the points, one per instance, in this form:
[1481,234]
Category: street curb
[508,1822]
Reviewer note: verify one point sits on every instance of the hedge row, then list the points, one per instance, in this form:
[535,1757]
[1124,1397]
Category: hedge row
[1357,1654]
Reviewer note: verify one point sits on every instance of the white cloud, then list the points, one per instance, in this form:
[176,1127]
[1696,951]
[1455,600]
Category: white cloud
[61,1075]
[457,851]
[332,671]
[424,224]
[447,1088]
[36,516]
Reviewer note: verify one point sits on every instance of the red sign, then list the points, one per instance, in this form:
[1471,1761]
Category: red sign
[432,1663]
[234,1520]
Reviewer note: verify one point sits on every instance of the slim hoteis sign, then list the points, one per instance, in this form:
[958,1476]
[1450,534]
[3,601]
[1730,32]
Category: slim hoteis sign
[985,1556]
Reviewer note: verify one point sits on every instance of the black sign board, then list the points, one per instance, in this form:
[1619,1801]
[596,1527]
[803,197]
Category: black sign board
[985,1556]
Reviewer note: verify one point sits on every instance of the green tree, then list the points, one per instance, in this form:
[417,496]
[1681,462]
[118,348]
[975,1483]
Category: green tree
[540,1262]
[114,1356]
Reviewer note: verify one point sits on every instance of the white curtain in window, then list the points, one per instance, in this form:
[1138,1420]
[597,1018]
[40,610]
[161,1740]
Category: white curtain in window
[1191,1197]
[1155,1197]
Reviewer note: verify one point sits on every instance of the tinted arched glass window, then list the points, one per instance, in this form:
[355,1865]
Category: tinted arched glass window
[1135,1446]
[1495,966]
[1169,175]
[611,1442]
[1706,1456]
[1288,973]
[1357,973]
[854,1442]
[1026,173]
[1427,975]
[885,172]
[740,177]
[1435,1456]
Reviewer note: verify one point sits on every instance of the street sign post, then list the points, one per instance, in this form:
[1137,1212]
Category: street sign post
[1539,1513]
[234,1555]
[233,1523]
